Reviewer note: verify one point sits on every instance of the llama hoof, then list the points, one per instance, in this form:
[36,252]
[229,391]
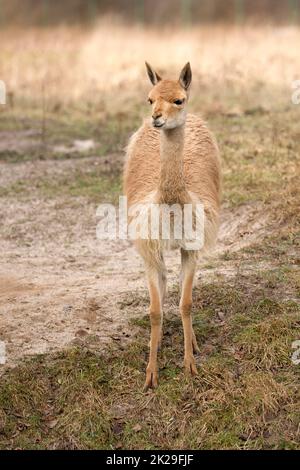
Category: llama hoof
[151,380]
[190,366]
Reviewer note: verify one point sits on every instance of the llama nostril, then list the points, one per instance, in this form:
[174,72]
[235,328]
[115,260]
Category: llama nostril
[156,116]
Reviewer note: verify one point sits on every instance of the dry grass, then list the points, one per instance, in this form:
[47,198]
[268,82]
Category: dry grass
[69,83]
[245,397]
[92,66]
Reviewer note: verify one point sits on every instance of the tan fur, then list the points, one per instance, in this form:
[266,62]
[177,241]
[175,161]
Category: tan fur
[176,165]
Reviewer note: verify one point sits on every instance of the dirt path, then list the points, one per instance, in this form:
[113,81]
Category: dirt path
[60,286]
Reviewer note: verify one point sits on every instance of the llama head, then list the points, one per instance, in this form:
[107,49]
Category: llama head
[168,98]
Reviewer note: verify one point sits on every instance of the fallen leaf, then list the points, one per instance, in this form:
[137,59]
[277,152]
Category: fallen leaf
[137,428]
[52,423]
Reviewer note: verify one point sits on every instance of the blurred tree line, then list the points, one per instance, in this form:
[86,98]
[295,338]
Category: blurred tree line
[47,12]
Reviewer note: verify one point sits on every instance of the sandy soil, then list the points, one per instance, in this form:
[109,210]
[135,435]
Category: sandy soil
[59,285]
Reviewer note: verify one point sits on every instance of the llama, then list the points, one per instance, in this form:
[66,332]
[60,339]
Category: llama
[172,159]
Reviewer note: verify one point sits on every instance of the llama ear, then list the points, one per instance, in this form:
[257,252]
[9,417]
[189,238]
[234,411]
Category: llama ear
[153,76]
[185,78]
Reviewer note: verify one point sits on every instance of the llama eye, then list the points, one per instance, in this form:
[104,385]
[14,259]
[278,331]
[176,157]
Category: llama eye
[150,101]
[178,102]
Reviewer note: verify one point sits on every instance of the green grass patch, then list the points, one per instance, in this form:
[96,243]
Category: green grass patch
[110,132]
[95,185]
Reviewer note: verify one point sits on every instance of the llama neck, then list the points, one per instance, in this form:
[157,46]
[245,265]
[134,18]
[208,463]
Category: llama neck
[171,182]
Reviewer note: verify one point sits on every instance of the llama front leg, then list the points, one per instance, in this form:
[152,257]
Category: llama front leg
[156,316]
[188,263]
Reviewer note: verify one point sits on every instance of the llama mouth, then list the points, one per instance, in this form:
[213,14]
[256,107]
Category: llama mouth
[158,125]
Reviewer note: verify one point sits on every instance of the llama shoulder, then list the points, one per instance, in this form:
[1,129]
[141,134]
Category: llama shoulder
[200,147]
[198,135]
[145,140]
[141,170]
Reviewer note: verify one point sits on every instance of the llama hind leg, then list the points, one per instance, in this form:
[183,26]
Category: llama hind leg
[163,291]
[196,349]
[156,317]
[188,262]
[163,281]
